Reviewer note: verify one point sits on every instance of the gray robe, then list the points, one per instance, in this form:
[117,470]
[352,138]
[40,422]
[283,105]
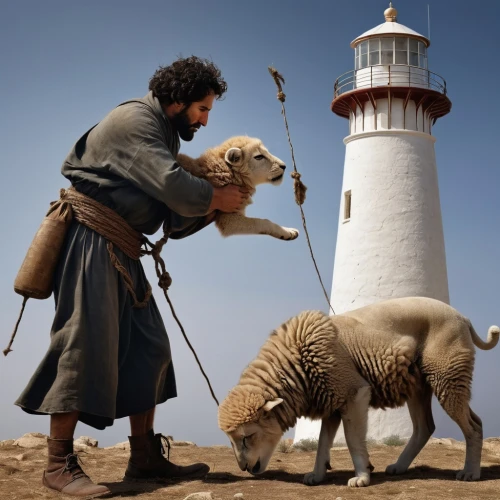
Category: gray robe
[107,359]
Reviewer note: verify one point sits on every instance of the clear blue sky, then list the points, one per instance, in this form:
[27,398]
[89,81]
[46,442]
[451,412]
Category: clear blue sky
[64,65]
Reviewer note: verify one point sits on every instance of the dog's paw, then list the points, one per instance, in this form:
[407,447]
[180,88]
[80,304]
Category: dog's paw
[312,479]
[291,234]
[468,475]
[394,470]
[359,481]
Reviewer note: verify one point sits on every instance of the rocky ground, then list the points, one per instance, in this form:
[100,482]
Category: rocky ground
[431,477]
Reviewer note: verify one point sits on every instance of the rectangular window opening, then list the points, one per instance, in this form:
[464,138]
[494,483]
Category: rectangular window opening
[347,205]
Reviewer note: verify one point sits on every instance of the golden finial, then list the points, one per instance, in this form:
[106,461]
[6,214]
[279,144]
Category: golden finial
[391,14]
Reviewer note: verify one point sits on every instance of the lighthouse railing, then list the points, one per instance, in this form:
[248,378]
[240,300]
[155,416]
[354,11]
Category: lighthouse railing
[389,76]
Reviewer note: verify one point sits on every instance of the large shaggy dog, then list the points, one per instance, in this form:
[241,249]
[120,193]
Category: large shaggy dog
[335,368]
[243,161]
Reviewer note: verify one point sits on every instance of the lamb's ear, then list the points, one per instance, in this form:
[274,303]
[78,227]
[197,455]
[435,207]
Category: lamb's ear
[271,404]
[234,156]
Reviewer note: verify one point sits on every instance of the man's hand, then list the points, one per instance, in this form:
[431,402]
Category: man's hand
[229,199]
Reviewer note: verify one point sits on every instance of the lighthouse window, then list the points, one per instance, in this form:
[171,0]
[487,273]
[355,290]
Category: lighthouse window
[422,55]
[387,51]
[364,54]
[347,205]
[374,51]
[391,50]
[413,60]
[400,55]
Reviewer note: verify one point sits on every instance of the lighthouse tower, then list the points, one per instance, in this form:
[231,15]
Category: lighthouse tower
[390,234]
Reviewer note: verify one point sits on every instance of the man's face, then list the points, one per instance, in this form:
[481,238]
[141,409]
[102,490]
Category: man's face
[190,118]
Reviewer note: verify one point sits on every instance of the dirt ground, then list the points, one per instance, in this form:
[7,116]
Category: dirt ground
[431,477]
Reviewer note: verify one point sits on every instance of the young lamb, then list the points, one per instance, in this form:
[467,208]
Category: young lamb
[243,161]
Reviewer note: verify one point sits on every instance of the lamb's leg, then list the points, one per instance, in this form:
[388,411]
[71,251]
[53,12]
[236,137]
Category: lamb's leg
[355,420]
[329,427]
[232,224]
[420,409]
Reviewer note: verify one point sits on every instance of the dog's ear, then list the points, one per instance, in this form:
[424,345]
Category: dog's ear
[234,156]
[271,404]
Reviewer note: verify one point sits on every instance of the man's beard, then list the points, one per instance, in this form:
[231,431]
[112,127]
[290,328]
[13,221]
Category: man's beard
[185,129]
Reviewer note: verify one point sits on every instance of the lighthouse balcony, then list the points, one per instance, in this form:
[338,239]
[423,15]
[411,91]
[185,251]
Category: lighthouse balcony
[405,82]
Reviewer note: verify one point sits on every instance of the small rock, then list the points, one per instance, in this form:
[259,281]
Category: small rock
[182,443]
[86,441]
[446,441]
[31,440]
[238,495]
[204,495]
[338,498]
[8,470]
[125,445]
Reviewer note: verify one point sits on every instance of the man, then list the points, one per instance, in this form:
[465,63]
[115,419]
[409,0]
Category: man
[108,359]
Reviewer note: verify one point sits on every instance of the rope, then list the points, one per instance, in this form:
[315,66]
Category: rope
[164,282]
[110,225]
[113,228]
[298,187]
[104,221]
[8,348]
[117,231]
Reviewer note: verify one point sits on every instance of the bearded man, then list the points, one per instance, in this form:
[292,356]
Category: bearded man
[108,359]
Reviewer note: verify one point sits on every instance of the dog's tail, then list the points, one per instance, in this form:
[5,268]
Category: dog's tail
[493,335]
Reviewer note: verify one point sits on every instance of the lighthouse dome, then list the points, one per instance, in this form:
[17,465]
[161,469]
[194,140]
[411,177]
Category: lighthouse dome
[390,28]
[390,43]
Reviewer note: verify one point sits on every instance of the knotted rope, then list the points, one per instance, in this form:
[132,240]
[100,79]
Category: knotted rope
[164,282]
[116,231]
[298,187]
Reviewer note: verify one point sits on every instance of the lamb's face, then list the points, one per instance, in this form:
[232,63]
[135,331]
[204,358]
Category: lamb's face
[262,165]
[254,443]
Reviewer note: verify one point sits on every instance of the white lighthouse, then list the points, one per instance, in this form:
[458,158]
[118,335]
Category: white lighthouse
[390,234]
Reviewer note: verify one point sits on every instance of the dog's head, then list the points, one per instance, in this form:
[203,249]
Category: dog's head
[252,427]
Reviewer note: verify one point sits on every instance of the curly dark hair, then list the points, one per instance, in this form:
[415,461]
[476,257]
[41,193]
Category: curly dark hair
[187,80]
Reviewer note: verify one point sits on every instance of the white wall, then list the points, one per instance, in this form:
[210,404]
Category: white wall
[393,244]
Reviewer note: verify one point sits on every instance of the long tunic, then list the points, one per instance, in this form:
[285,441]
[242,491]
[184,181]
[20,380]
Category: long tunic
[107,359]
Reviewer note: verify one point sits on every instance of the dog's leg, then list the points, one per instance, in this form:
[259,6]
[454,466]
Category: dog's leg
[355,420]
[232,224]
[472,427]
[452,388]
[329,427]
[420,408]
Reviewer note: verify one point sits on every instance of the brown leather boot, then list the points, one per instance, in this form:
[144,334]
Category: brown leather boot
[147,462]
[64,473]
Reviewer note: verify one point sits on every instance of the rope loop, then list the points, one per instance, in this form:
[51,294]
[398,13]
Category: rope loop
[165,281]
[299,188]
